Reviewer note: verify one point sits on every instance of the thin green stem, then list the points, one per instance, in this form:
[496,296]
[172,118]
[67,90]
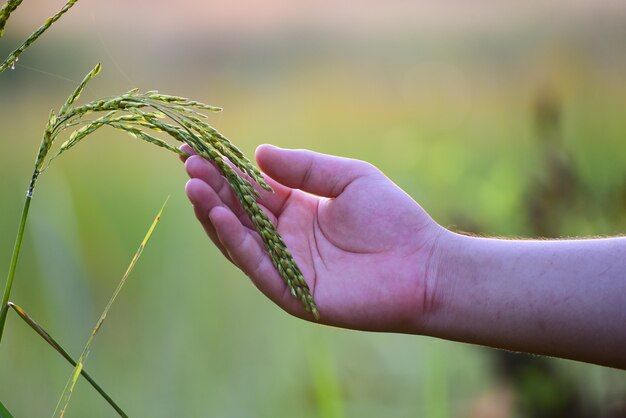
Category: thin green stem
[9,62]
[48,338]
[16,253]
[5,12]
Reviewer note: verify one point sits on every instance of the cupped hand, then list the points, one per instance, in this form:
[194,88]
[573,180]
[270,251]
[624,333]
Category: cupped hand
[364,246]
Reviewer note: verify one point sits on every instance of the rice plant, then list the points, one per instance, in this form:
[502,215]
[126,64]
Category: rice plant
[145,116]
[5,12]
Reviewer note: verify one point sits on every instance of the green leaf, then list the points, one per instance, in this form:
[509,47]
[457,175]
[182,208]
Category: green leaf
[48,338]
[4,413]
[69,387]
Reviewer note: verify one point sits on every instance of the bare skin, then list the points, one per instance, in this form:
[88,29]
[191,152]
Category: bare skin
[375,260]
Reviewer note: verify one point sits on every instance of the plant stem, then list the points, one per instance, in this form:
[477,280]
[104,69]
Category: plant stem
[14,56]
[48,338]
[16,253]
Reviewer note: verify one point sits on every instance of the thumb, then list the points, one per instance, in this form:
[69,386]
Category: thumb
[319,174]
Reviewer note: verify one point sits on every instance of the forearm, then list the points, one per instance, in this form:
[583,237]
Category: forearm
[559,298]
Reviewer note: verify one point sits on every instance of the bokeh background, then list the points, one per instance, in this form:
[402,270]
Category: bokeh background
[501,118]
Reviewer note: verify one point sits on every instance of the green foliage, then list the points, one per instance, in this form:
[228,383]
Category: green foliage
[52,342]
[64,400]
[4,413]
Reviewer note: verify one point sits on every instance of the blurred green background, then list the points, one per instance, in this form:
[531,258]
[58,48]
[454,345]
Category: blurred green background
[500,118]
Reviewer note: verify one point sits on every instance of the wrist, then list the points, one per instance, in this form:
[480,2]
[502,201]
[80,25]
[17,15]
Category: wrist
[432,275]
[449,263]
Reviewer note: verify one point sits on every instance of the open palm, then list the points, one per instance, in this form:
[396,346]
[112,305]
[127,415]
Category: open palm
[363,244]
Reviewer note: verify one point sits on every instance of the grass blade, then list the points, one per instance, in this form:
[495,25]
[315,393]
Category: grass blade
[69,387]
[48,338]
[4,413]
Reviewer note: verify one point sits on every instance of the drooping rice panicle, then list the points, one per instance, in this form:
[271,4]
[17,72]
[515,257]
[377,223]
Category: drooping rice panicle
[211,136]
[138,133]
[177,117]
[10,61]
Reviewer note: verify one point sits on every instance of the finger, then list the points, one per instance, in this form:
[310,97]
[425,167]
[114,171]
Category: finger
[203,199]
[273,201]
[199,168]
[320,174]
[188,150]
[247,252]
[207,171]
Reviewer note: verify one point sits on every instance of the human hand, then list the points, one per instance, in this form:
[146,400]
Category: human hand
[363,244]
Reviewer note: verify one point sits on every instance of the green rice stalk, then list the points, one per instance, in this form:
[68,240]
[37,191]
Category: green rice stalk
[49,136]
[69,387]
[14,56]
[135,112]
[4,308]
[44,334]
[5,12]
[46,143]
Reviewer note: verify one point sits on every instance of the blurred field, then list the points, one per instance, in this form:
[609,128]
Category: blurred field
[448,111]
